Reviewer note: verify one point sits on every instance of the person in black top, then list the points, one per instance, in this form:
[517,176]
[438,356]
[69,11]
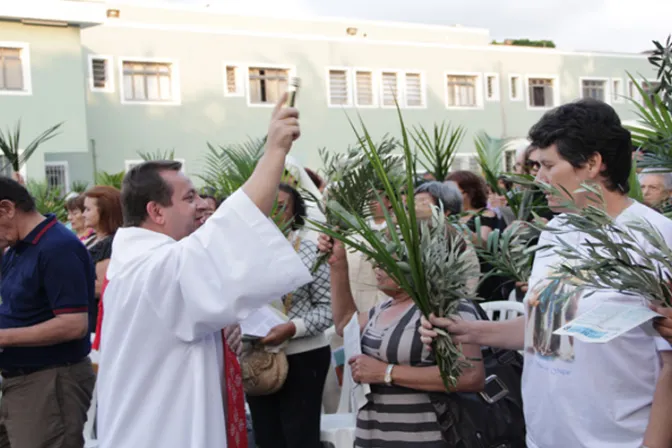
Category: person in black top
[475,200]
[102,213]
[46,298]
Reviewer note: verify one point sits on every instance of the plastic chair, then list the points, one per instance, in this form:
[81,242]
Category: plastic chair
[506,309]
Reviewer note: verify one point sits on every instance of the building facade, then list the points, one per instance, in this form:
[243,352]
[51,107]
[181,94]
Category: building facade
[175,78]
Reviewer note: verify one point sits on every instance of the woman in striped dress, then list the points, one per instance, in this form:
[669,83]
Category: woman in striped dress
[401,371]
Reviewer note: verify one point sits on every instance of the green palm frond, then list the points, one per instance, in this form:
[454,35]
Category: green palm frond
[633,181]
[408,251]
[157,155]
[79,187]
[228,167]
[661,58]
[11,147]
[436,150]
[490,157]
[47,199]
[110,179]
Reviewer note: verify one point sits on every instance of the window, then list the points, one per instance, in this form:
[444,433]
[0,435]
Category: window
[465,162]
[462,91]
[56,174]
[149,82]
[364,89]
[100,74]
[617,90]
[390,84]
[492,87]
[541,92]
[267,84]
[14,69]
[515,88]
[339,87]
[414,92]
[233,81]
[594,88]
[650,87]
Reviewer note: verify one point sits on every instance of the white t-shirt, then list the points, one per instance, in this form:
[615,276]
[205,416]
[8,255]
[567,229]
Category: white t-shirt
[578,394]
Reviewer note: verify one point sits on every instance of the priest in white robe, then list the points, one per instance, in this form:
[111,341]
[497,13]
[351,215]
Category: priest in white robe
[171,291]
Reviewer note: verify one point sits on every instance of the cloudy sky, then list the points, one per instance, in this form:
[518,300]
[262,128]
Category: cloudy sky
[604,25]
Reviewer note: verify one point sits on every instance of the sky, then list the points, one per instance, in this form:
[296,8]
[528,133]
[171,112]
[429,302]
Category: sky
[600,25]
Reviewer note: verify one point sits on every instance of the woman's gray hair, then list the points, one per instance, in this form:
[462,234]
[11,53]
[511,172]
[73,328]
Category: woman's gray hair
[666,175]
[446,194]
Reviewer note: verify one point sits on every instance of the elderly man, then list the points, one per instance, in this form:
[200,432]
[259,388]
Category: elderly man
[657,188]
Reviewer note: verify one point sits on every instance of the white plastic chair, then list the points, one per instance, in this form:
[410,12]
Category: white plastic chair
[507,309]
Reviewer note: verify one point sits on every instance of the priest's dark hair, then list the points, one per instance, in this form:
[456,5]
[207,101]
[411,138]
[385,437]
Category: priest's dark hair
[144,184]
[584,128]
[299,213]
[14,192]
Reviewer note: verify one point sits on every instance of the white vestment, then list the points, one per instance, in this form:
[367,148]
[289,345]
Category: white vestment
[160,376]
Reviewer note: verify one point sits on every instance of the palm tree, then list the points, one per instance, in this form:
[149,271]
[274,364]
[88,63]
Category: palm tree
[11,147]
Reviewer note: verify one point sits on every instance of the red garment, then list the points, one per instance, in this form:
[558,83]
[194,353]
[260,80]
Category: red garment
[99,323]
[236,423]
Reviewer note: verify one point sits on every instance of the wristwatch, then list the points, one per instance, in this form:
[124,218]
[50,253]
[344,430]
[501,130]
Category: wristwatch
[388,374]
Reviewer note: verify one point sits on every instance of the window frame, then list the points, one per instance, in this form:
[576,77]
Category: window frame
[617,97]
[240,81]
[25,68]
[400,87]
[478,85]
[349,79]
[291,73]
[66,166]
[109,73]
[174,81]
[129,162]
[463,156]
[423,89]
[556,91]
[375,93]
[605,80]
[521,94]
[496,92]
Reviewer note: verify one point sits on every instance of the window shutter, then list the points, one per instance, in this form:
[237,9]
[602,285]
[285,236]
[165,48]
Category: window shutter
[12,67]
[56,178]
[390,88]
[364,81]
[413,90]
[231,84]
[99,71]
[338,87]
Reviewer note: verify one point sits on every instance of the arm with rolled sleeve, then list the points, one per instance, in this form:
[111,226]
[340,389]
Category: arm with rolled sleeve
[67,276]
[319,317]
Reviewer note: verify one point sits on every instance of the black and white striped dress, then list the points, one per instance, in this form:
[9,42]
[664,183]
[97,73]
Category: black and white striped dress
[397,417]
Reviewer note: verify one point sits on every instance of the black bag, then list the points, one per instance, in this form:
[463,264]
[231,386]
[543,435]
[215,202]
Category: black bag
[492,418]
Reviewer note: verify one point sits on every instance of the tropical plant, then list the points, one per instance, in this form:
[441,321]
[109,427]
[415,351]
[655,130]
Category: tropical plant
[228,167]
[437,150]
[110,179]
[510,252]
[79,186]
[490,157]
[11,148]
[422,258]
[47,199]
[661,58]
[157,155]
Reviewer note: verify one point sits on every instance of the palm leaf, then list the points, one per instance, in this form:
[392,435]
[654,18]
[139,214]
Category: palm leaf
[11,148]
[438,149]
[490,154]
[157,155]
[47,199]
[110,179]
[79,187]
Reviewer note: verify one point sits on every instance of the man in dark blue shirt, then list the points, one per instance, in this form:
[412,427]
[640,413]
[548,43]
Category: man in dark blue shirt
[46,298]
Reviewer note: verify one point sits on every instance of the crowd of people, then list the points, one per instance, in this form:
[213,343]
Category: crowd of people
[163,276]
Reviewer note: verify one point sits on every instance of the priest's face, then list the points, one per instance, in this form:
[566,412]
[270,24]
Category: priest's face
[187,210]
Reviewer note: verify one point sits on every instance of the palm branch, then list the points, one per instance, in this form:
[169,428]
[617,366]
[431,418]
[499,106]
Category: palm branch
[157,155]
[79,187]
[11,147]
[47,199]
[489,154]
[405,250]
[661,58]
[437,149]
[110,179]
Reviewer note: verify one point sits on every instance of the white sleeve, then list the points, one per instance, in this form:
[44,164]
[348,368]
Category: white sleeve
[235,263]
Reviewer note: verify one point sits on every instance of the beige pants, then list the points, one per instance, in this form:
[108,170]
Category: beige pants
[46,409]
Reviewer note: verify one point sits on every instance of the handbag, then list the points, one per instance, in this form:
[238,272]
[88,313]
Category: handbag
[264,369]
[492,418]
